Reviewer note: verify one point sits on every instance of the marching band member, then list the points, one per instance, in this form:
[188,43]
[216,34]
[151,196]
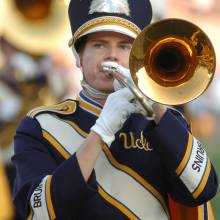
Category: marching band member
[99,157]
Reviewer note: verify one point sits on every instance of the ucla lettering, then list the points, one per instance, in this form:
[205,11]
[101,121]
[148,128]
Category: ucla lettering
[37,196]
[125,138]
[199,158]
[130,142]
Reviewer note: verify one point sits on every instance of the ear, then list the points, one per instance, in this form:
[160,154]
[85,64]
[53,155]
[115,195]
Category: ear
[77,57]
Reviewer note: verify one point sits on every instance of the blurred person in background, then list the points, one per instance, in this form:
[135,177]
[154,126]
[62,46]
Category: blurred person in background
[20,84]
[21,80]
[205,112]
[62,83]
[99,157]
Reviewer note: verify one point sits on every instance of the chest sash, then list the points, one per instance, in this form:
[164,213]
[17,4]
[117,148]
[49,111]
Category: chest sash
[118,184]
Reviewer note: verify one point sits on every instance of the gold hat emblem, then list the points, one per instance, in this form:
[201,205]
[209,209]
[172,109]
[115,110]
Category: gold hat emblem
[110,6]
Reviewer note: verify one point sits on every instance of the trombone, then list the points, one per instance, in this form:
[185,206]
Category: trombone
[172,62]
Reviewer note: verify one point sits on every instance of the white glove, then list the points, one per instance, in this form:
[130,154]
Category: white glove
[110,67]
[117,109]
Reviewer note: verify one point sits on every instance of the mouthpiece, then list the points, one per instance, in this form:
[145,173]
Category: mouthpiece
[109,68]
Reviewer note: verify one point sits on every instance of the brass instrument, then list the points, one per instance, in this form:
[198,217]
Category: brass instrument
[171,62]
[36,26]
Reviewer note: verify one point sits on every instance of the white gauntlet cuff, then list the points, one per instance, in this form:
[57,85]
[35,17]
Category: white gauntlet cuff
[108,139]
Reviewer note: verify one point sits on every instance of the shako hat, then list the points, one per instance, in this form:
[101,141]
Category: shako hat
[128,17]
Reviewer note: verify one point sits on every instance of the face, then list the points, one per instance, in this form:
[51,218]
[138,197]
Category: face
[100,47]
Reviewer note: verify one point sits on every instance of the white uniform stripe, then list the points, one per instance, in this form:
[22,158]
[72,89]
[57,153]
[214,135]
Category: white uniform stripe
[194,171]
[39,203]
[128,191]
[206,164]
[127,174]
[69,138]
[57,142]
[187,160]
[117,183]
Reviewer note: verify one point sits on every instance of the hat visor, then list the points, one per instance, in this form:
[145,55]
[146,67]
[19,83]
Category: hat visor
[113,28]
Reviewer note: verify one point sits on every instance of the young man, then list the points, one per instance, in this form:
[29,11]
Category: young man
[98,157]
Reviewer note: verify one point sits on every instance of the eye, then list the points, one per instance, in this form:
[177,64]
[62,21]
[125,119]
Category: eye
[98,45]
[125,47]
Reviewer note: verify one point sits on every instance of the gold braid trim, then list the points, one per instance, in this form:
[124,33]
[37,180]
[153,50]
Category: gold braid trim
[66,107]
[105,20]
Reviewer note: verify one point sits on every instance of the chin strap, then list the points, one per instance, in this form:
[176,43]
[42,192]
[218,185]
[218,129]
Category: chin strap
[93,92]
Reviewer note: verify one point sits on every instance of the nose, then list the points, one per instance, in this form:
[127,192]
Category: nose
[112,54]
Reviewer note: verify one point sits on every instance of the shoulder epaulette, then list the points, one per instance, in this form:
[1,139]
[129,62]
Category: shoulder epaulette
[180,114]
[176,112]
[66,107]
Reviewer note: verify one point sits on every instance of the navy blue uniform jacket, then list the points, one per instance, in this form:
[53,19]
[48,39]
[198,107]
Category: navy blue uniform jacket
[134,178]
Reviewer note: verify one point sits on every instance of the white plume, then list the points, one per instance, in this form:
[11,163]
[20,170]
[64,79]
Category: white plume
[110,6]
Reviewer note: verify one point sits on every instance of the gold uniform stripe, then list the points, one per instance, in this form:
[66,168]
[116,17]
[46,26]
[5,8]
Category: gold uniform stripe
[56,145]
[30,216]
[48,199]
[210,211]
[116,204]
[203,182]
[201,212]
[91,108]
[186,156]
[77,128]
[32,112]
[136,177]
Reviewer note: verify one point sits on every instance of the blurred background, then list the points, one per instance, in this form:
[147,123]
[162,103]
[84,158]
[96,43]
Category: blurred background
[38,68]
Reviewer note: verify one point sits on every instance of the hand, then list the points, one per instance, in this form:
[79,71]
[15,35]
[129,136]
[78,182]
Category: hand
[113,68]
[122,78]
[117,109]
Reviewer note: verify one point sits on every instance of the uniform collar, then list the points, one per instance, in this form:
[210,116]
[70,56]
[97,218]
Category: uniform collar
[89,104]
